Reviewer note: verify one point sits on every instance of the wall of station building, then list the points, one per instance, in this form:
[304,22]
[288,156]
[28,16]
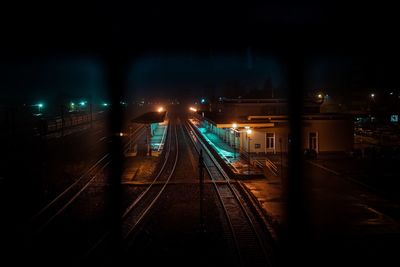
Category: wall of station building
[259,143]
[323,135]
[333,135]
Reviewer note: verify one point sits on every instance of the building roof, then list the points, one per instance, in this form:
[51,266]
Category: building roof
[150,117]
[223,120]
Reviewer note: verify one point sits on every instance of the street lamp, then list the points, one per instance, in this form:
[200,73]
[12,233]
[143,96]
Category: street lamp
[320,97]
[40,106]
[160,109]
[249,131]
[234,126]
[372,96]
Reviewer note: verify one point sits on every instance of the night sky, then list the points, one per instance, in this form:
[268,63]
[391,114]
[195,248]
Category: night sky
[52,80]
[160,73]
[59,50]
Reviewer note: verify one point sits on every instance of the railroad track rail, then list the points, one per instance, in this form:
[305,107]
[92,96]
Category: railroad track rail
[140,207]
[42,219]
[244,230]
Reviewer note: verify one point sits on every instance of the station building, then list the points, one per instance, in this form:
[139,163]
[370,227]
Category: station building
[267,119]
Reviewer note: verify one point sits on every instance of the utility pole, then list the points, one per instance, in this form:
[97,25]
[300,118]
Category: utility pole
[91,115]
[280,144]
[234,145]
[62,120]
[249,131]
[130,138]
[201,184]
[248,150]
[148,139]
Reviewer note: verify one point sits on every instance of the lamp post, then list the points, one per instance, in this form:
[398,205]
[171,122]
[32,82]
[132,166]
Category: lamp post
[91,115]
[130,138]
[201,184]
[234,126]
[372,97]
[249,131]
[40,105]
[280,144]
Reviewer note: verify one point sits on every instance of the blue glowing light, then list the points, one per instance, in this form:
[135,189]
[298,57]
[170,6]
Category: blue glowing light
[213,139]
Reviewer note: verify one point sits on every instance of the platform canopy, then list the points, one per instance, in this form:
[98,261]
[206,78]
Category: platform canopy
[150,117]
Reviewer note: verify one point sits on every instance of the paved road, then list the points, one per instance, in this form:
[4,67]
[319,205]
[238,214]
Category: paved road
[348,221]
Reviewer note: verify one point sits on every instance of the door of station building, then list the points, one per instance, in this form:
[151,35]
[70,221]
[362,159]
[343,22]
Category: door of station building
[313,141]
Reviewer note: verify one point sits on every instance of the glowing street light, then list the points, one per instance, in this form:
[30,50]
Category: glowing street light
[320,96]
[249,132]
[82,103]
[372,95]
[193,109]
[234,126]
[40,106]
[160,109]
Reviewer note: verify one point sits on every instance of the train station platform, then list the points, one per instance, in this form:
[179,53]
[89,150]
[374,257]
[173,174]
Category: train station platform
[267,192]
[139,166]
[233,158]
[158,138]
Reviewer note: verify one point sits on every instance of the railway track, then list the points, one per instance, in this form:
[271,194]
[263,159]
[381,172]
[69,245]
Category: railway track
[243,231]
[42,219]
[140,207]
[143,204]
